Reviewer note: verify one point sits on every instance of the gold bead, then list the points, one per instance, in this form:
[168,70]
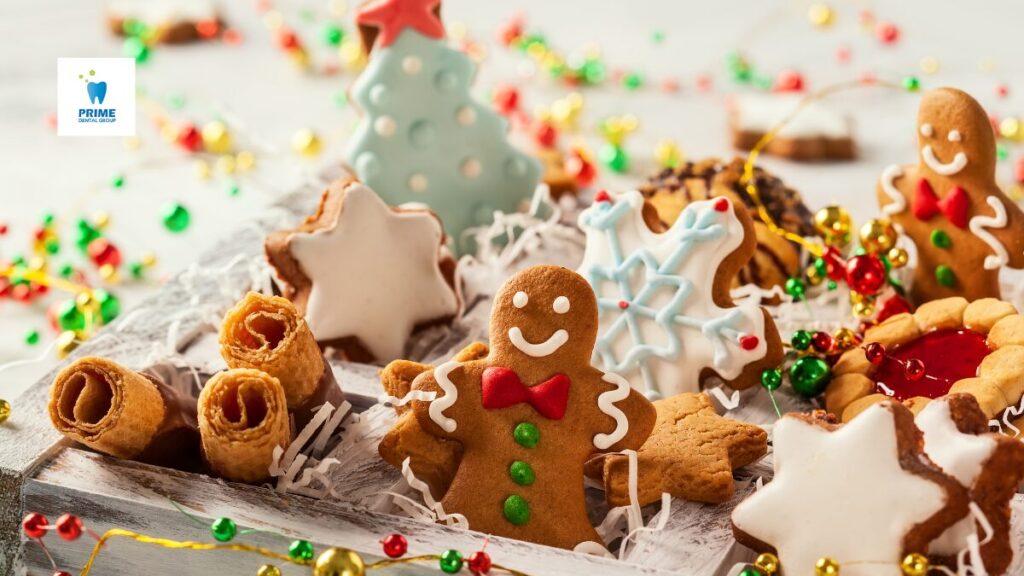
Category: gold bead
[877,235]
[826,567]
[814,277]
[5,410]
[898,257]
[84,299]
[268,570]
[339,562]
[845,339]
[863,309]
[768,563]
[914,565]
[834,224]
[109,273]
[216,137]
[306,142]
[67,341]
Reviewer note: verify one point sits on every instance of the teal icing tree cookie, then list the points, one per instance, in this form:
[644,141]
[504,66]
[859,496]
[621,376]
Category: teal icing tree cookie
[423,138]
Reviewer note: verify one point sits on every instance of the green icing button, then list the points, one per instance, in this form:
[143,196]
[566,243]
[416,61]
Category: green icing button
[517,511]
[526,434]
[945,276]
[521,473]
[940,239]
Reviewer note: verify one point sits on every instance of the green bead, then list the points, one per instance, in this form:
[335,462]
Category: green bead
[527,435]
[911,83]
[86,234]
[521,473]
[134,47]
[945,276]
[450,561]
[333,34]
[801,339]
[832,285]
[516,509]
[52,246]
[223,529]
[795,287]
[176,217]
[48,219]
[771,379]
[32,338]
[110,306]
[821,267]
[117,181]
[809,376]
[632,81]
[750,571]
[940,239]
[614,157]
[69,317]
[593,71]
[300,550]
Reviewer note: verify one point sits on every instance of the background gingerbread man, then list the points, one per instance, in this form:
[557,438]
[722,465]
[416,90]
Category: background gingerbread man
[964,227]
[532,412]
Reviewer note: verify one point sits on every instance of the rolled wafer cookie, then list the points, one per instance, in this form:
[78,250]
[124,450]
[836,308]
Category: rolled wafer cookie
[120,412]
[267,333]
[242,418]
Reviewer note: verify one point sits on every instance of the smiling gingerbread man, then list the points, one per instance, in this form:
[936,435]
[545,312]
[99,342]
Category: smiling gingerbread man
[532,412]
[964,227]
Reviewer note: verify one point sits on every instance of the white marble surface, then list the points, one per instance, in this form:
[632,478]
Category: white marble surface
[974,44]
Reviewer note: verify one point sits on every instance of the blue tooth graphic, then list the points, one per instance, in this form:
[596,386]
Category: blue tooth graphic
[97,91]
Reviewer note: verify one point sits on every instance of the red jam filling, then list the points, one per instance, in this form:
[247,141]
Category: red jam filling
[948,355]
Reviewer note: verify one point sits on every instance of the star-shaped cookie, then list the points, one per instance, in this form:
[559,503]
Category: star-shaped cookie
[691,454]
[862,494]
[365,275]
[990,466]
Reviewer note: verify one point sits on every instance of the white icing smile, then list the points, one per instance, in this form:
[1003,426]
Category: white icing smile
[545,348]
[937,166]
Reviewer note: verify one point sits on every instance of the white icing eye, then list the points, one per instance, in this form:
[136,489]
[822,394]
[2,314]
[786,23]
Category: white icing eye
[926,130]
[520,299]
[954,135]
[561,305]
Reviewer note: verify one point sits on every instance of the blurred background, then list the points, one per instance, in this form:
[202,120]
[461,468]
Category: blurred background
[163,197]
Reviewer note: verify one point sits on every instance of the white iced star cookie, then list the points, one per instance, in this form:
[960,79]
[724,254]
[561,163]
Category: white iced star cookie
[365,274]
[862,494]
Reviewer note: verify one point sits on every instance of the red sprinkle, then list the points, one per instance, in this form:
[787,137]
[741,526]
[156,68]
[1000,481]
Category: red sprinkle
[207,28]
[789,81]
[232,36]
[545,134]
[887,32]
[1002,90]
[749,341]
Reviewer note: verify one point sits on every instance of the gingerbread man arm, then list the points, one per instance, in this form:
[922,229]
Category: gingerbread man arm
[998,223]
[445,416]
[632,413]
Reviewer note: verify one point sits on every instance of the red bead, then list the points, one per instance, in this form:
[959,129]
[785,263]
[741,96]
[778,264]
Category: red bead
[40,289]
[583,171]
[207,28]
[865,274]
[843,54]
[875,353]
[822,341]
[835,268]
[506,99]
[39,233]
[61,573]
[887,32]
[914,369]
[34,525]
[1002,90]
[3,229]
[749,341]
[190,138]
[232,37]
[479,562]
[891,307]
[623,304]
[508,33]
[602,196]
[545,135]
[395,545]
[102,253]
[789,81]
[721,205]
[21,292]
[69,527]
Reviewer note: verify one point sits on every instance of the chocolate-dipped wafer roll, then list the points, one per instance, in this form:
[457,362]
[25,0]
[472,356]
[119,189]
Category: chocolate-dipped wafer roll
[120,412]
[267,333]
[243,416]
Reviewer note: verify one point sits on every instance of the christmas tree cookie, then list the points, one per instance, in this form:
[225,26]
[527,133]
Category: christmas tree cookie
[423,137]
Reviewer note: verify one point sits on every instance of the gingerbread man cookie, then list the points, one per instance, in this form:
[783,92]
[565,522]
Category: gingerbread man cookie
[964,227]
[667,321]
[862,494]
[364,274]
[532,412]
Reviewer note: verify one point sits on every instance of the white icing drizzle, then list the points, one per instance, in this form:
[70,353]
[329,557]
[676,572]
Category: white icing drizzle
[451,394]
[606,403]
[542,349]
[943,169]
[560,305]
[899,203]
[978,226]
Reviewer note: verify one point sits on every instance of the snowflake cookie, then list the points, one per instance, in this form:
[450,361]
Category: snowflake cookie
[667,321]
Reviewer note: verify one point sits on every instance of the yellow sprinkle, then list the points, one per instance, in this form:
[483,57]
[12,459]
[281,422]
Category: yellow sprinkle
[338,7]
[821,15]
[306,142]
[226,164]
[132,143]
[273,19]
[100,219]
[1009,127]
[929,65]
[148,259]
[109,273]
[245,160]
[457,30]
[202,169]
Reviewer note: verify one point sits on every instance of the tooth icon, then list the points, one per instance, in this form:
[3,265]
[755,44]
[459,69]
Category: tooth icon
[97,92]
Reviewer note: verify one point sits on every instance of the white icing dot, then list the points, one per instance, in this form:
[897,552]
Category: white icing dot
[466,115]
[417,182]
[520,299]
[384,126]
[412,65]
[954,135]
[926,130]
[379,95]
[561,305]
[470,168]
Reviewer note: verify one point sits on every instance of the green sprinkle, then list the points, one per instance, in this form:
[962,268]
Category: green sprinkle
[32,338]
[911,84]
[658,36]
[1001,152]
[526,435]
[117,181]
[333,34]
[176,217]
[137,270]
[632,81]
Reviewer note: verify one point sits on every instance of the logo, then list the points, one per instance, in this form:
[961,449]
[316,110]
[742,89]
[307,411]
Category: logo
[106,105]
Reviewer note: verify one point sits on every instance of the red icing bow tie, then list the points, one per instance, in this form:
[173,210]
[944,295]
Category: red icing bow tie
[503,388]
[927,204]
